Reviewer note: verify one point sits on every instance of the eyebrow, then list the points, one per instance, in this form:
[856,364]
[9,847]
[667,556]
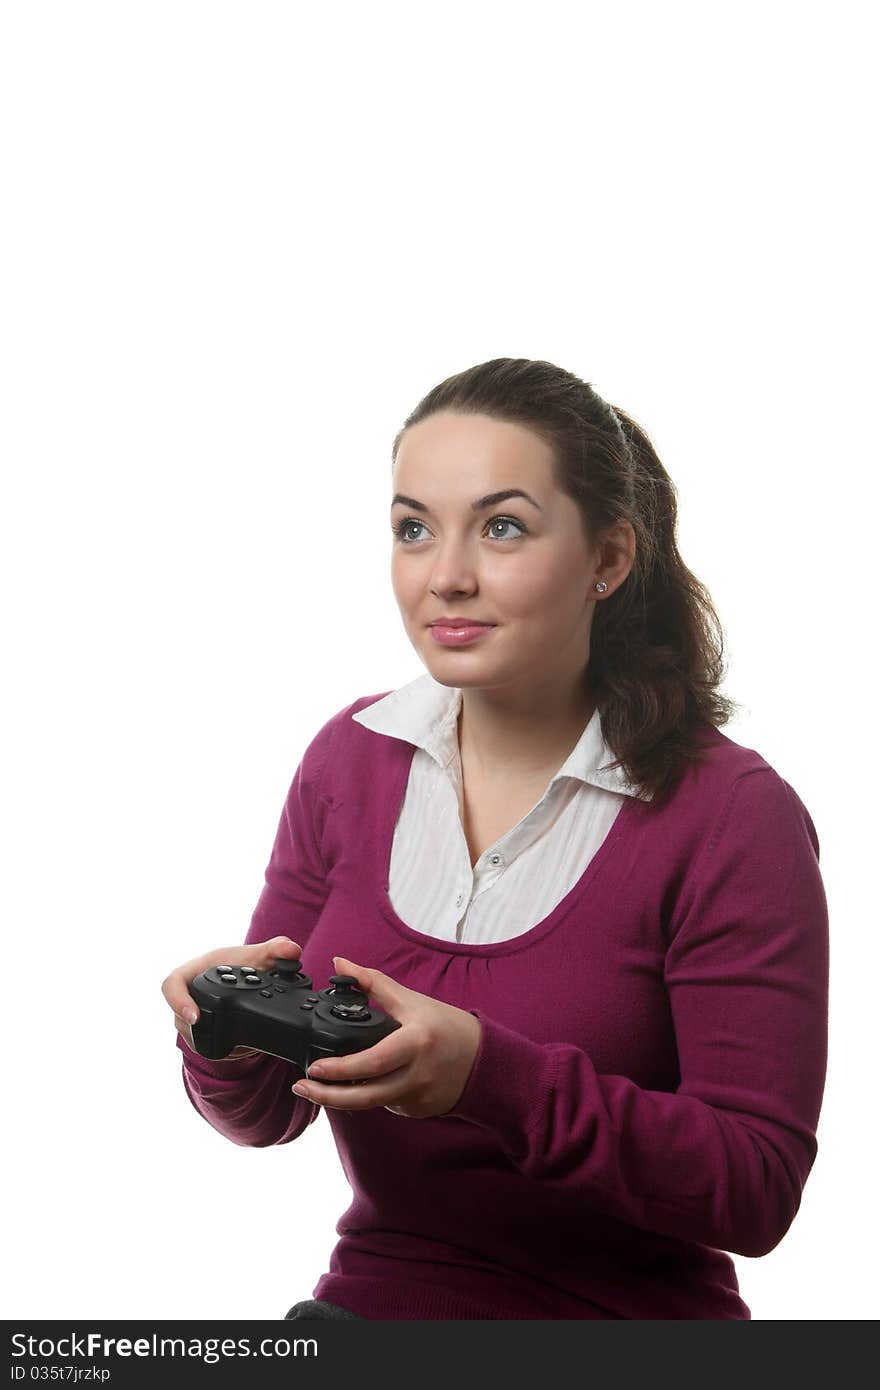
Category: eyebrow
[490,500]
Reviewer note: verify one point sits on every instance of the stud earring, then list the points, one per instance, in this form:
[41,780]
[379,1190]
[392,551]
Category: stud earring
[601,586]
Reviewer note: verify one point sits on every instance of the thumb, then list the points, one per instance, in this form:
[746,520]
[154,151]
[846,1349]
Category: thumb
[388,994]
[276,948]
[283,945]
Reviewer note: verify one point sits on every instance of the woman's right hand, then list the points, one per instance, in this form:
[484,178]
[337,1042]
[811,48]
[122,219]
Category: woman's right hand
[175,986]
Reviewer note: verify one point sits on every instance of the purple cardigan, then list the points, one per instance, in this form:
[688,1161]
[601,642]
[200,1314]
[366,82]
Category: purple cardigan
[648,1085]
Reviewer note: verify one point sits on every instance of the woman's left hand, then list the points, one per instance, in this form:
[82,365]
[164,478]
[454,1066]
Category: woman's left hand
[418,1070]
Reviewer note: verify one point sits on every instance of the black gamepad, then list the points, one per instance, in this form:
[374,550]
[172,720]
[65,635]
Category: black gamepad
[279,1011]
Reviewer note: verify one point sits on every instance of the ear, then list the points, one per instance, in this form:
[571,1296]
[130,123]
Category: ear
[618,553]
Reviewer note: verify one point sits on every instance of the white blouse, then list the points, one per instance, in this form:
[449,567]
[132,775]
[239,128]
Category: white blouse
[519,879]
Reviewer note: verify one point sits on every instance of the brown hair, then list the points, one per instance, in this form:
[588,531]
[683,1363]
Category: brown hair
[656,643]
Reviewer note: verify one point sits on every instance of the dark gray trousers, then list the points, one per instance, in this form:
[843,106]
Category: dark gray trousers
[317,1308]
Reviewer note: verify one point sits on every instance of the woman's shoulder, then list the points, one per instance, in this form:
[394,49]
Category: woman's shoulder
[363,701]
[718,766]
[729,774]
[342,718]
[724,757]
[341,733]
[735,799]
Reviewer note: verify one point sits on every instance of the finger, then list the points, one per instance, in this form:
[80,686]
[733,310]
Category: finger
[392,998]
[262,953]
[394,1051]
[185,1029]
[367,1095]
[175,986]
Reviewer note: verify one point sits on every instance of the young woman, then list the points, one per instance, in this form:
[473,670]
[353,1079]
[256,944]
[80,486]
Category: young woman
[599,921]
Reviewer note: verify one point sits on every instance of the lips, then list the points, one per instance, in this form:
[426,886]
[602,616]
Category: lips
[458,622]
[460,635]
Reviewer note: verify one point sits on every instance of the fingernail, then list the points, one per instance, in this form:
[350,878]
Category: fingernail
[318,1069]
[190,1015]
[301,1089]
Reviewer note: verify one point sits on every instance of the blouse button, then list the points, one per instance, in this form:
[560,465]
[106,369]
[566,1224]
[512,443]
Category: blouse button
[496,859]
[459,900]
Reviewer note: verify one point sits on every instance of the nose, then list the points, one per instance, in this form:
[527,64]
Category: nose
[453,571]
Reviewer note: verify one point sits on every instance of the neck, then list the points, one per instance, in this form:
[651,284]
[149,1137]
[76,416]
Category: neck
[504,736]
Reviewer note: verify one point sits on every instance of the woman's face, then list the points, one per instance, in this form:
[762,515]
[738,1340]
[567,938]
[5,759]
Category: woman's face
[521,564]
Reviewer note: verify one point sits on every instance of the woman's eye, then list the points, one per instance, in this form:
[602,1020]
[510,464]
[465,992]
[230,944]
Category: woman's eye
[401,530]
[402,526]
[504,521]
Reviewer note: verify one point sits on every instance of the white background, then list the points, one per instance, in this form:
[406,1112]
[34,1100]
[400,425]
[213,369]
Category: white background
[240,242]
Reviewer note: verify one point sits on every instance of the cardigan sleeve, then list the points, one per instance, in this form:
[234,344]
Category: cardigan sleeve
[723,1160]
[249,1100]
